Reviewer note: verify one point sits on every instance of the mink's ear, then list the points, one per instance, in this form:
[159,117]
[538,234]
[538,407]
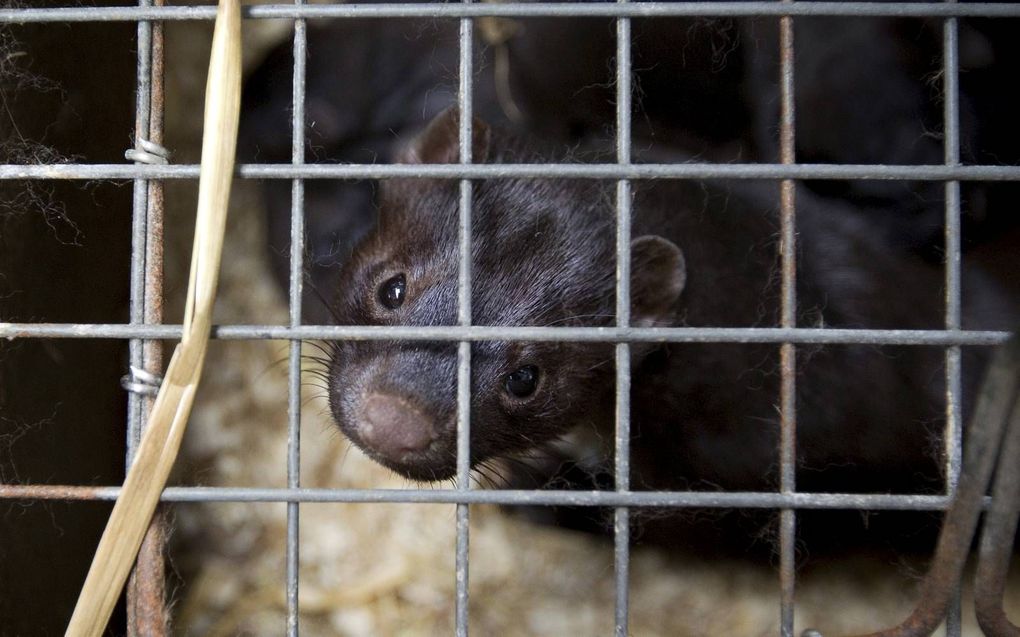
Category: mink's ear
[657,277]
[439,143]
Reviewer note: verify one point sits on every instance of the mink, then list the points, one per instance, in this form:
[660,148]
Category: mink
[704,416]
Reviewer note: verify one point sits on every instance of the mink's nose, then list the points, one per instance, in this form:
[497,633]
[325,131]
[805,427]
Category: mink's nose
[393,427]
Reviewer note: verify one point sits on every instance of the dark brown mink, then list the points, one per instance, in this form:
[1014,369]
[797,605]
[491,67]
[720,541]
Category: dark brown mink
[704,416]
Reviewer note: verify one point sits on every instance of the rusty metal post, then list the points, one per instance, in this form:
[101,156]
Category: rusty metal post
[997,537]
[984,437]
[147,614]
[788,319]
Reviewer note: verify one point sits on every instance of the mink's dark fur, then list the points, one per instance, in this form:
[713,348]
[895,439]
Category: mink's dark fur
[704,416]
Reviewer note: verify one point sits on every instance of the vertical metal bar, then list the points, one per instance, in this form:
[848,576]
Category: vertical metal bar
[147,614]
[951,115]
[153,350]
[297,249]
[137,601]
[623,222]
[464,318]
[138,218]
[788,318]
[954,409]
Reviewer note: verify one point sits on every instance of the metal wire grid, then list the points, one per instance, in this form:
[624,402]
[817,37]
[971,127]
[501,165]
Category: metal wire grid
[787,335]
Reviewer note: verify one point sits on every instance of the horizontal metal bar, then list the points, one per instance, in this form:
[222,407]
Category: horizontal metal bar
[698,499]
[560,9]
[832,336]
[877,172]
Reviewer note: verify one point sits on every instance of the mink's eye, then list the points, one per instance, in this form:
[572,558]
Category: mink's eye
[393,291]
[522,382]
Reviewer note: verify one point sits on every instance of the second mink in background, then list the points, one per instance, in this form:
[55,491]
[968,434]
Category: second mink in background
[868,91]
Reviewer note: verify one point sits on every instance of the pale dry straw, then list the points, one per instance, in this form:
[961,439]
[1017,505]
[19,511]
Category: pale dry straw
[162,438]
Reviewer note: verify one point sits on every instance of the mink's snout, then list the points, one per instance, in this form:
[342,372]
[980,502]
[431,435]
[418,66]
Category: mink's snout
[393,427]
[397,403]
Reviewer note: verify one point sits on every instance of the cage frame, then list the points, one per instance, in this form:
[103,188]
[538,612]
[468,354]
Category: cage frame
[146,325]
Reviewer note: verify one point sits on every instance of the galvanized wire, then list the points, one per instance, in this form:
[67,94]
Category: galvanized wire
[297,251]
[561,9]
[953,432]
[696,499]
[787,500]
[465,133]
[693,170]
[621,522]
[798,335]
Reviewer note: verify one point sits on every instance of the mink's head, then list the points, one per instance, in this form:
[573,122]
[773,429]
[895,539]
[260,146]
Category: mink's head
[542,255]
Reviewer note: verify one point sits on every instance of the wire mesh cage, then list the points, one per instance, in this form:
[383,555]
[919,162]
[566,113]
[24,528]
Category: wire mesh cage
[148,169]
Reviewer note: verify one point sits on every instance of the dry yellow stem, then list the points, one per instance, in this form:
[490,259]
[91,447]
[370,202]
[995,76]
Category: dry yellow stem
[162,438]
